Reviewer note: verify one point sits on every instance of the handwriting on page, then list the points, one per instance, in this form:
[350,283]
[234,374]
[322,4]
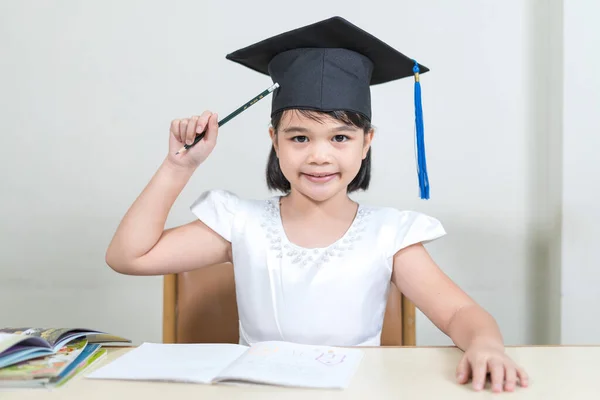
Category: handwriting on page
[297,357]
[296,365]
[331,358]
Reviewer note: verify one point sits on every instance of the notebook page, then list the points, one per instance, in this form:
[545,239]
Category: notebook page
[288,364]
[197,363]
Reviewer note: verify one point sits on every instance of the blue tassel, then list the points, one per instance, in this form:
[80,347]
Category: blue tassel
[420,139]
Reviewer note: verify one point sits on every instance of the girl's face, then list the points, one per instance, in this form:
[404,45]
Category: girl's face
[319,158]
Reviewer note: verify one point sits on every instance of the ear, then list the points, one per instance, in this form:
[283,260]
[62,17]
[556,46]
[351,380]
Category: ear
[273,136]
[367,142]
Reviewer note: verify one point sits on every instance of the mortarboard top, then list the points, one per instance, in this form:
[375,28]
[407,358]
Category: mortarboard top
[330,65]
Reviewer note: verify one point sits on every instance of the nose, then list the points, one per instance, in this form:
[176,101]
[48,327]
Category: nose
[319,152]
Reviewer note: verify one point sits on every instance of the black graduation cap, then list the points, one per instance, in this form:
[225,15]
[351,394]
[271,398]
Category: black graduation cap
[330,65]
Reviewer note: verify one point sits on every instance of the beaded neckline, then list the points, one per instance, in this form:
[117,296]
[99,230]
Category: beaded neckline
[284,248]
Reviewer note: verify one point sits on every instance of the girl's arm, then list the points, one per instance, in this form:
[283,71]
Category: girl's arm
[469,326]
[141,245]
[441,300]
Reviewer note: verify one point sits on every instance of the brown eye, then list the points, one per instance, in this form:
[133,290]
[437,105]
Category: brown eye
[340,138]
[300,139]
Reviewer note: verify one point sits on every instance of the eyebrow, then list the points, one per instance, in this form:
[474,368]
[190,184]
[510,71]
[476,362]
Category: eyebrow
[300,129]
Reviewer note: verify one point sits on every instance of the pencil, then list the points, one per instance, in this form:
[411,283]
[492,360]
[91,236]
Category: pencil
[232,115]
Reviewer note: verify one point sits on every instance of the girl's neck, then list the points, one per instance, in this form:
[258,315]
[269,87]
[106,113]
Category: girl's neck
[311,224]
[299,205]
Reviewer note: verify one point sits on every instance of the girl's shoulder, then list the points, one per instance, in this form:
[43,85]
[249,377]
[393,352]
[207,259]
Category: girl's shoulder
[217,198]
[222,210]
[228,202]
[387,215]
[399,228]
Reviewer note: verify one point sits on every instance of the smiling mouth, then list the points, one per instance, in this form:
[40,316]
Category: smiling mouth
[320,177]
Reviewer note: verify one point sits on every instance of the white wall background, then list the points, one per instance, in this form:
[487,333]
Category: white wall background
[581,195]
[87,91]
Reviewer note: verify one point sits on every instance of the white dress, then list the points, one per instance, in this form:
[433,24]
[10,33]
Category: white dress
[332,296]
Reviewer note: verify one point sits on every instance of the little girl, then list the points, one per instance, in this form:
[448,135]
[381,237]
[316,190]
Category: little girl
[311,265]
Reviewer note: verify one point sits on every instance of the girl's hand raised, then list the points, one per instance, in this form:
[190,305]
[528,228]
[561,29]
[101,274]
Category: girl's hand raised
[184,131]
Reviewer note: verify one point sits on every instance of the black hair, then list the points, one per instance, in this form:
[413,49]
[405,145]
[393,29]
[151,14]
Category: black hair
[275,178]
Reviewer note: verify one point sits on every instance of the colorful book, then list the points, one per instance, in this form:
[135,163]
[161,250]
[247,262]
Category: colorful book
[22,344]
[44,367]
[53,370]
[81,364]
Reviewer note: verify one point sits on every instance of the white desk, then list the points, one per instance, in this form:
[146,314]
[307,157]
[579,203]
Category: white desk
[385,373]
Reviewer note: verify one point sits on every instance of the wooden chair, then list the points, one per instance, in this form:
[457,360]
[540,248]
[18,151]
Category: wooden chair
[200,307]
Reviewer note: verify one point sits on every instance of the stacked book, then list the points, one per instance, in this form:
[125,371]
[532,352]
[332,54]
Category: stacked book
[48,357]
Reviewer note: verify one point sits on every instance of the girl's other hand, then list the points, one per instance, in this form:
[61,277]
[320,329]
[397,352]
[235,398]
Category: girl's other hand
[482,359]
[184,131]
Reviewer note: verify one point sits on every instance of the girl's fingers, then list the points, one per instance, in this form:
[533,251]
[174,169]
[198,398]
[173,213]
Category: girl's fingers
[212,129]
[186,129]
[190,132]
[183,124]
[202,121]
[496,368]
[479,373]
[463,371]
[175,129]
[523,377]
[511,378]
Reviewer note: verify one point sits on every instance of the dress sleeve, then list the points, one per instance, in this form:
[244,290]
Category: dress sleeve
[217,209]
[409,227]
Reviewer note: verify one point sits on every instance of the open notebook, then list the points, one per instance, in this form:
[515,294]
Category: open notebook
[272,363]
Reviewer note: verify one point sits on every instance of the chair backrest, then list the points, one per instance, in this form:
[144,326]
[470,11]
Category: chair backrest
[200,307]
